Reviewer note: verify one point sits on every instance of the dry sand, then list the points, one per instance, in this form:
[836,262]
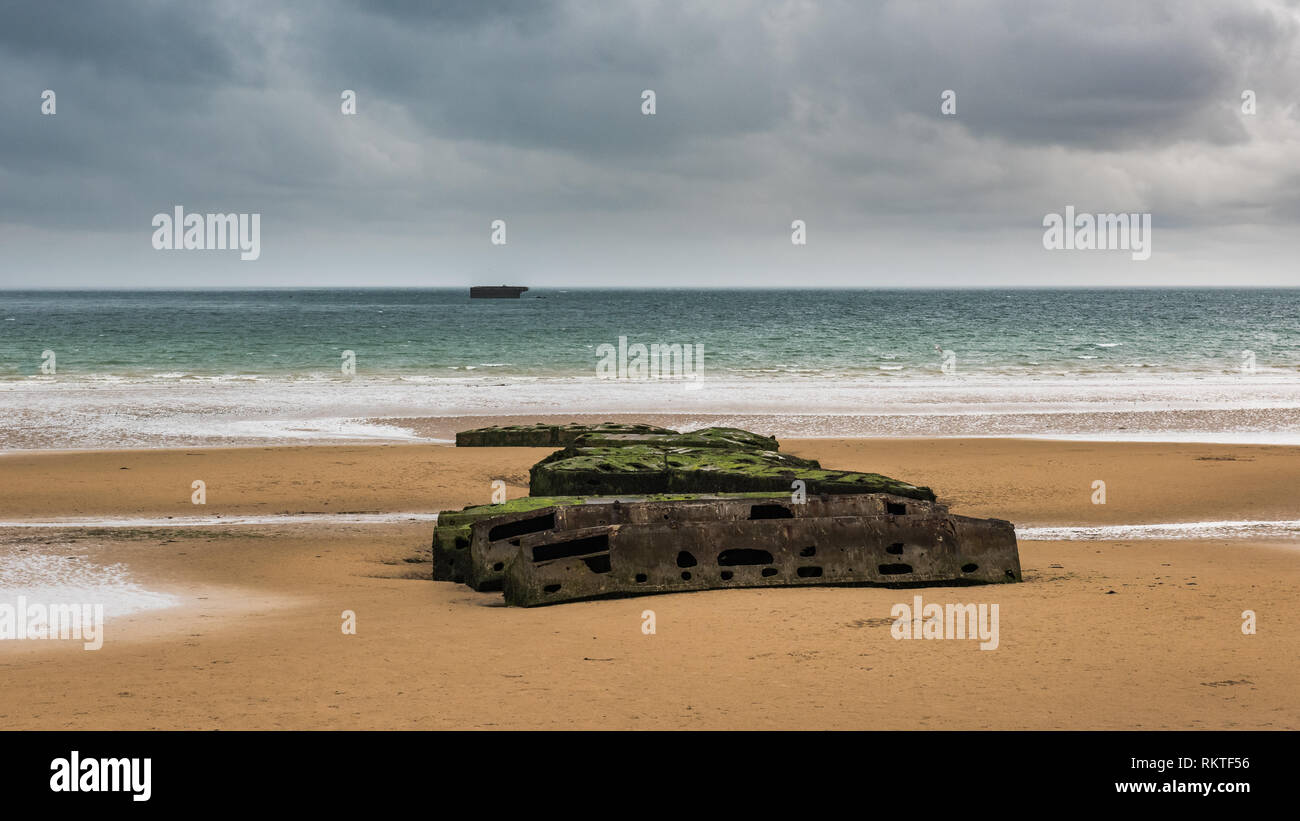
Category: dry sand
[257,641]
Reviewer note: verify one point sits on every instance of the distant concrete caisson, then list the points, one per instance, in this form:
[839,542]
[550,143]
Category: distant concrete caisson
[496,291]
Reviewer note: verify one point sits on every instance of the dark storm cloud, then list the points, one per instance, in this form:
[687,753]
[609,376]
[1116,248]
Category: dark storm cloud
[549,79]
[162,43]
[1093,75]
[468,111]
[455,12]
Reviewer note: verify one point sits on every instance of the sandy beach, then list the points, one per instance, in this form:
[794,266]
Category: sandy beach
[1140,634]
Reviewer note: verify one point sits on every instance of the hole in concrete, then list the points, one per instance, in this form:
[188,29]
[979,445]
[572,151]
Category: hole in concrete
[894,569]
[551,588]
[461,543]
[499,566]
[743,555]
[726,575]
[597,564]
[1011,574]
[810,550]
[510,530]
[895,508]
[573,547]
[969,568]
[896,549]
[686,575]
[809,572]
[640,578]
[769,571]
[770,512]
[685,559]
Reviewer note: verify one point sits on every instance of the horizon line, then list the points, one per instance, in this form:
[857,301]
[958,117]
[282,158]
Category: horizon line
[202,289]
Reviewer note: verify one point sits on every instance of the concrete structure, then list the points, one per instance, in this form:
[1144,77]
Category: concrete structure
[664,557]
[631,509]
[550,436]
[653,468]
[496,291]
[495,540]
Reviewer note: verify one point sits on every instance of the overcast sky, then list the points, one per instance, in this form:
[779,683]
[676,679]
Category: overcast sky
[767,112]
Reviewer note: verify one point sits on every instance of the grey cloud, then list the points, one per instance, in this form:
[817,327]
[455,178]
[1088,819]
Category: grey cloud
[164,43]
[531,111]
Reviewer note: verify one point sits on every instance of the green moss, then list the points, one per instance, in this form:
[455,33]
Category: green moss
[622,440]
[731,438]
[642,469]
[728,438]
[465,517]
[748,461]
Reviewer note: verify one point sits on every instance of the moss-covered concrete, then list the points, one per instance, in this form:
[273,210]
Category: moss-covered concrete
[452,533]
[644,469]
[731,438]
[655,556]
[495,540]
[543,435]
[611,460]
[728,438]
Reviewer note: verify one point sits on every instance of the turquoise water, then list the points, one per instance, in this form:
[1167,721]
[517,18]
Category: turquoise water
[152,369]
[757,334]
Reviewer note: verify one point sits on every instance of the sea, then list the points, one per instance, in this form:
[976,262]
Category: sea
[113,369]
